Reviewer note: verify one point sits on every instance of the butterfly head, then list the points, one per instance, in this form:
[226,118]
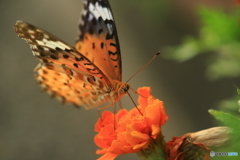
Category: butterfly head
[124,88]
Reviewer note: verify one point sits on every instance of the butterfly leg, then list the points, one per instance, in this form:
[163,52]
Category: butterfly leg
[120,104]
[114,119]
[99,109]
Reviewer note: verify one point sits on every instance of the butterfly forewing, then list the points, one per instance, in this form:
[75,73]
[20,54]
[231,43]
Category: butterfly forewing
[64,72]
[98,38]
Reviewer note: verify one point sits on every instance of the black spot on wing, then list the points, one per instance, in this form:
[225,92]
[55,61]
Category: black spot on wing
[58,49]
[113,44]
[79,59]
[40,48]
[112,53]
[102,45]
[41,54]
[100,31]
[65,56]
[53,50]
[109,36]
[75,65]
[53,57]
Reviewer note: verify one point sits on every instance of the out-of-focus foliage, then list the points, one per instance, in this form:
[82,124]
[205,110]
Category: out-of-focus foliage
[219,36]
[238,90]
[230,105]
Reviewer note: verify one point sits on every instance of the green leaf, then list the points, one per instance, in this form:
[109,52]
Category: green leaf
[226,118]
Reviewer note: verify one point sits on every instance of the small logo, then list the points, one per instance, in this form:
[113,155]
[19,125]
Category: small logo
[212,154]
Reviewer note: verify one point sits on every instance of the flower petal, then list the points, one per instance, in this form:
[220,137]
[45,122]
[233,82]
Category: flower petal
[106,118]
[155,131]
[144,93]
[155,113]
[108,156]
[141,145]
[105,136]
[140,136]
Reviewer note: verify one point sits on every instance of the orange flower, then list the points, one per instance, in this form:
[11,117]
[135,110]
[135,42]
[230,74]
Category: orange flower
[133,131]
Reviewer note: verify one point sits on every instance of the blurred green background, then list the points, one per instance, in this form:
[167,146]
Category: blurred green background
[33,126]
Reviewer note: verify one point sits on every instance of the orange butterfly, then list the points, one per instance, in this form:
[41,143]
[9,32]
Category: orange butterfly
[88,75]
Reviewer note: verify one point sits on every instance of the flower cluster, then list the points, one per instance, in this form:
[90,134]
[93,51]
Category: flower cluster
[130,131]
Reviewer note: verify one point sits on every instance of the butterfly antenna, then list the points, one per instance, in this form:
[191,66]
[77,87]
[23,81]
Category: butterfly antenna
[144,66]
[134,103]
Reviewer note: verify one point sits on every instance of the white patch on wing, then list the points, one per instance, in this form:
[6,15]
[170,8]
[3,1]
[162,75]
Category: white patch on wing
[36,53]
[52,44]
[32,36]
[46,49]
[110,29]
[41,43]
[106,12]
[100,11]
[60,44]
[30,31]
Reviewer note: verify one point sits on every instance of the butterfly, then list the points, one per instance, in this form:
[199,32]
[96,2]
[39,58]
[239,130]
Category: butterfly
[87,75]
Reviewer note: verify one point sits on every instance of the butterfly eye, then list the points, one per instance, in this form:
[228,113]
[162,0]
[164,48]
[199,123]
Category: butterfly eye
[125,88]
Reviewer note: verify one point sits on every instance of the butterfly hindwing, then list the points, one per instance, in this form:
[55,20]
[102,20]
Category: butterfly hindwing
[64,72]
[98,39]
[70,88]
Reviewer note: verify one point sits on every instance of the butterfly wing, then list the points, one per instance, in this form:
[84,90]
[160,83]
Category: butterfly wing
[63,72]
[98,39]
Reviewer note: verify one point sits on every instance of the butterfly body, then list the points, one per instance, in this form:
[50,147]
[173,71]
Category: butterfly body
[88,75]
